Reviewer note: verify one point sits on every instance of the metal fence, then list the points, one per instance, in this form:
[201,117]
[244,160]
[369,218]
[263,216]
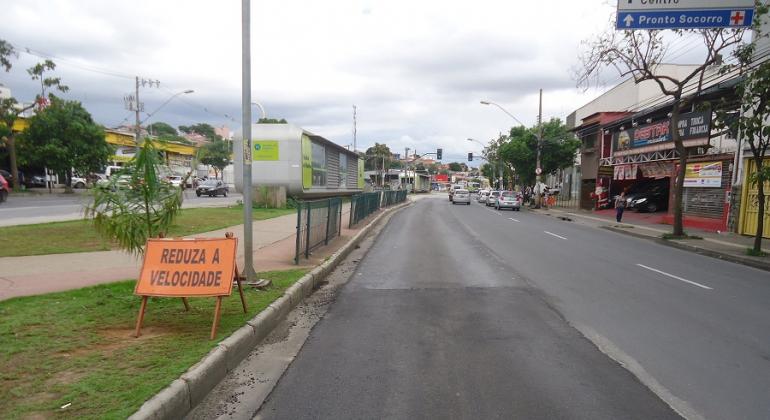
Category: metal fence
[362,205]
[318,222]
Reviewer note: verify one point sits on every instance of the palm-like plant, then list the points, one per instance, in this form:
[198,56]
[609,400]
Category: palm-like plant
[135,204]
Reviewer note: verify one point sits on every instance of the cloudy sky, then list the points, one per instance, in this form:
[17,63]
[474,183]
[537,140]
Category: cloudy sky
[416,70]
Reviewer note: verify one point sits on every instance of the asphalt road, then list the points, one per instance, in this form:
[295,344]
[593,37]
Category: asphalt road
[466,312]
[43,208]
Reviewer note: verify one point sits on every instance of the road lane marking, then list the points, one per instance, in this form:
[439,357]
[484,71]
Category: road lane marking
[553,234]
[675,277]
[511,218]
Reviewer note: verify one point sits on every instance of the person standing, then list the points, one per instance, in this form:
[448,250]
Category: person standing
[620,206]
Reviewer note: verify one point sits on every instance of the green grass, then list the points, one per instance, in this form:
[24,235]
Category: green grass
[753,253]
[77,347]
[80,236]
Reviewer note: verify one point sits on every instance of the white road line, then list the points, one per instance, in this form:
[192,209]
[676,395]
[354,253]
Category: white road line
[675,277]
[553,234]
[511,218]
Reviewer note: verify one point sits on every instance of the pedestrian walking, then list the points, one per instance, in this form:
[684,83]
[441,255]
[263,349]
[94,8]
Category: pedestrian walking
[620,206]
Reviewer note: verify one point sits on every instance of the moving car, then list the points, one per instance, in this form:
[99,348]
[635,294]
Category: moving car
[4,189]
[78,182]
[462,196]
[175,180]
[212,188]
[508,200]
[483,195]
[452,190]
[492,198]
[649,196]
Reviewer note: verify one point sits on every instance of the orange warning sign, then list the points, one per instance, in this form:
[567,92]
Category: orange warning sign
[188,267]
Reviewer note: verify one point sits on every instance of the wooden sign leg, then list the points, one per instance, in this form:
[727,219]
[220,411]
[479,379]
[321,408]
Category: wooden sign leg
[141,316]
[217,313]
[186,304]
[240,291]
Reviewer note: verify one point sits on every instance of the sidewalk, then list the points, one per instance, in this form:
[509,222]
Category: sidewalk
[723,245]
[274,248]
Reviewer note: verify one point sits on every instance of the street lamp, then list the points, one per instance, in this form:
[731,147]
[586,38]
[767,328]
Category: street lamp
[184,92]
[499,163]
[261,110]
[504,110]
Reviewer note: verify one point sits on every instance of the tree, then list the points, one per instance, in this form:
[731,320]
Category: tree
[378,158]
[145,208]
[520,151]
[455,167]
[639,54]
[752,122]
[216,154]
[203,129]
[162,129]
[63,137]
[271,121]
[10,109]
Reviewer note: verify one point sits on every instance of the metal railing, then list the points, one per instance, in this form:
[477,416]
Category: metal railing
[318,222]
[362,205]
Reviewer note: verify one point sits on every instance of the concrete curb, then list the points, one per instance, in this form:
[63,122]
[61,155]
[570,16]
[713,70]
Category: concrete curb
[762,265]
[176,400]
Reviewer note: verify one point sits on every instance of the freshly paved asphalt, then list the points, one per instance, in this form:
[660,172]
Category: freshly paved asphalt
[43,208]
[461,312]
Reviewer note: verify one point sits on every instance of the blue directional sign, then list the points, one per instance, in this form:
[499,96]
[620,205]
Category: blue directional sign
[684,14]
[685,19]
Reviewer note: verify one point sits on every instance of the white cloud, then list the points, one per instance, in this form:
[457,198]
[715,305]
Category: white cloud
[416,70]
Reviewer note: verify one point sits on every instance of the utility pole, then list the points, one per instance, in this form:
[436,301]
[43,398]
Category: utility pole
[406,166]
[538,178]
[248,240]
[354,128]
[138,123]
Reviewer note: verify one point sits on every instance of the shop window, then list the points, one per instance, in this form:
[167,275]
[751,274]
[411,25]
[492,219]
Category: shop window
[589,142]
[319,165]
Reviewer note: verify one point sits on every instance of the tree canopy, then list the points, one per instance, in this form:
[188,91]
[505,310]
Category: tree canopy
[162,129]
[203,129]
[62,137]
[216,154]
[558,149]
[271,121]
[375,156]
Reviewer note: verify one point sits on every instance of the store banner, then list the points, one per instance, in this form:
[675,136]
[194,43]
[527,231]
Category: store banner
[703,174]
[691,125]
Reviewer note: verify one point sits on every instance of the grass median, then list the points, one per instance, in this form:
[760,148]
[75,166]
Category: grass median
[80,236]
[77,347]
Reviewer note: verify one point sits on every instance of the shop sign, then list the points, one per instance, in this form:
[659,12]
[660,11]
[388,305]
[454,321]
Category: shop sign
[606,171]
[703,174]
[657,136]
[265,150]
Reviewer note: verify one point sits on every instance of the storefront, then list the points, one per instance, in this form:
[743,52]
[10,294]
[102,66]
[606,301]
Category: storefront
[644,163]
[747,224]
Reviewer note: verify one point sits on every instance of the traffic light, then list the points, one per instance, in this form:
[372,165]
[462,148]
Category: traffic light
[470,157]
[438,154]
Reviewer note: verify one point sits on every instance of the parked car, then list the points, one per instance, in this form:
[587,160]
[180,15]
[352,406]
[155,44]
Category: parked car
[78,182]
[36,181]
[4,189]
[508,200]
[650,196]
[212,188]
[483,195]
[462,196]
[492,198]
[174,180]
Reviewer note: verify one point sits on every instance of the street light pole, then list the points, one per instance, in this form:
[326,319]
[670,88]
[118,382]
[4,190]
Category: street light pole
[184,92]
[261,110]
[248,240]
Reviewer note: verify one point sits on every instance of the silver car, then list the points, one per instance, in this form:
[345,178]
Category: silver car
[461,196]
[492,198]
[483,195]
[508,200]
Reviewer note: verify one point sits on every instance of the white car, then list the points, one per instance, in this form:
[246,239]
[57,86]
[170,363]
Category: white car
[483,196]
[78,182]
[462,196]
[510,200]
[174,180]
[492,198]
